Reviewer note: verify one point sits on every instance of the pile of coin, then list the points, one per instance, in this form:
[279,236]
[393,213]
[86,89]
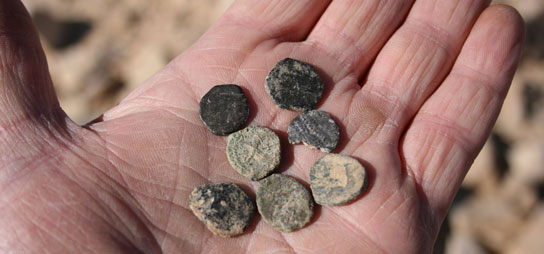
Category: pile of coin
[255,152]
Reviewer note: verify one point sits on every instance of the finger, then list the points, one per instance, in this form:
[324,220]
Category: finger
[410,67]
[279,19]
[451,127]
[243,27]
[26,91]
[219,55]
[250,22]
[353,31]
[246,25]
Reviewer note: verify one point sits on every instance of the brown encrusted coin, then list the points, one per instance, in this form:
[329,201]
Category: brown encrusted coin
[315,129]
[224,109]
[337,179]
[254,151]
[294,85]
[284,203]
[224,208]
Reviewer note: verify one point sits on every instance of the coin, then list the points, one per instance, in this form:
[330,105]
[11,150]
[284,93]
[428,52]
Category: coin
[294,85]
[337,179]
[284,203]
[224,109]
[254,151]
[315,129]
[224,208]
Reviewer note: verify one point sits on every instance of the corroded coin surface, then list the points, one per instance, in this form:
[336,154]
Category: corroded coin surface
[315,129]
[224,208]
[294,85]
[254,151]
[337,179]
[284,203]
[224,109]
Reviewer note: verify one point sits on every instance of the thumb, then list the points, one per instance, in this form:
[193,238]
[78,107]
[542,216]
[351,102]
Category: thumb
[27,96]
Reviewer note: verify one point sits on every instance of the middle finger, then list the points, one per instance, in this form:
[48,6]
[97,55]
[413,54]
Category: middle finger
[352,32]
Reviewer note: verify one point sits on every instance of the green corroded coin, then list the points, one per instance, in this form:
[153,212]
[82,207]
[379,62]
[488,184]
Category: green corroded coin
[284,203]
[337,179]
[254,151]
[224,208]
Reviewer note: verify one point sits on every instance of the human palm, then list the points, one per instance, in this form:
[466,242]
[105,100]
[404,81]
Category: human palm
[415,88]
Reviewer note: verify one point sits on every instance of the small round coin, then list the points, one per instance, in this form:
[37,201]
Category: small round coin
[224,109]
[254,151]
[224,208]
[315,129]
[284,203]
[337,179]
[294,85]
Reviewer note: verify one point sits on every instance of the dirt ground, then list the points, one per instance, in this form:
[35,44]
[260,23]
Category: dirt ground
[99,50]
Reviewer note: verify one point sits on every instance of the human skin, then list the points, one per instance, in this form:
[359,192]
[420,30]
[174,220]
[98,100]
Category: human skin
[415,86]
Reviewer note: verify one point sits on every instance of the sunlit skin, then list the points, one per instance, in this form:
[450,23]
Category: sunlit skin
[414,85]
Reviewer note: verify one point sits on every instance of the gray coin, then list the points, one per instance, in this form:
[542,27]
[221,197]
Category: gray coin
[254,151]
[337,179]
[284,203]
[224,109]
[224,208]
[315,129]
[294,85]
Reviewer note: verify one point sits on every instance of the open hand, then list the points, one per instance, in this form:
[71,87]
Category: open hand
[414,85]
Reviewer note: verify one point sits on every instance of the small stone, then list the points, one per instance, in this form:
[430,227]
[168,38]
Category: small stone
[337,179]
[254,152]
[294,85]
[315,129]
[224,109]
[284,203]
[224,208]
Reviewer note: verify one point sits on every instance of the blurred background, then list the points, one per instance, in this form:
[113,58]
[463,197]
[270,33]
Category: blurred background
[98,51]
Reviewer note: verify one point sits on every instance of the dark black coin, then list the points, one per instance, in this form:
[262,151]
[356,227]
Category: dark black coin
[315,129]
[224,109]
[224,208]
[284,203]
[294,85]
